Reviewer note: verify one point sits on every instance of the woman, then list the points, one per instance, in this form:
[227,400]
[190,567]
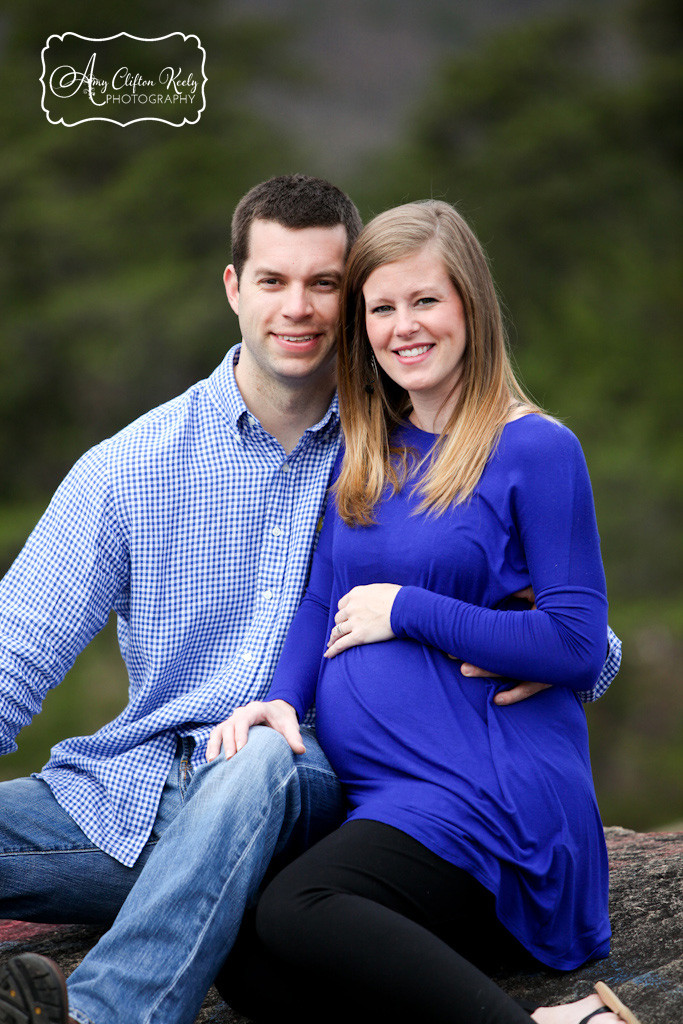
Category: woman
[473,834]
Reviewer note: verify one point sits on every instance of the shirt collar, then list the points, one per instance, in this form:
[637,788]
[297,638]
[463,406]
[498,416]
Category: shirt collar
[225,392]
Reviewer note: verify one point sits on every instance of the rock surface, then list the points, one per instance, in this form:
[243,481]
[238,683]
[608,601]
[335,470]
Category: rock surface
[645,966]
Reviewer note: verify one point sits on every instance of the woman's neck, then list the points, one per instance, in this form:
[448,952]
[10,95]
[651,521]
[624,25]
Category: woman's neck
[431,417]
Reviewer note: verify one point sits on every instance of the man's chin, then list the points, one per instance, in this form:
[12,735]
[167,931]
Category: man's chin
[301,371]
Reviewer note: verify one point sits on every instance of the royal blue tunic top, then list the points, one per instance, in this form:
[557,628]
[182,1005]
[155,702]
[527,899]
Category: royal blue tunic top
[505,793]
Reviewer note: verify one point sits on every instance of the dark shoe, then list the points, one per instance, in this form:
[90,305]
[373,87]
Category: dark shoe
[32,991]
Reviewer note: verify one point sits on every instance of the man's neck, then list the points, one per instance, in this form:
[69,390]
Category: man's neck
[285,410]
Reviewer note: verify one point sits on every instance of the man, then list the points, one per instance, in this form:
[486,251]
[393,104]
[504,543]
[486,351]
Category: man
[195,524]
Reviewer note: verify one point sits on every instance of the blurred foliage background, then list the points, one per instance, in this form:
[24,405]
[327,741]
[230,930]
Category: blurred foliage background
[555,129]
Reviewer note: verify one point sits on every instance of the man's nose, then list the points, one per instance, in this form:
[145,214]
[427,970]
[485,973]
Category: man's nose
[297,303]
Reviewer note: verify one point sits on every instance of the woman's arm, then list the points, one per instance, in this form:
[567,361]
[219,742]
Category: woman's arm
[559,643]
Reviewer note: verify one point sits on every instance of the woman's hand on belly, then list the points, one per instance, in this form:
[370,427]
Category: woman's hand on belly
[233,733]
[364,617]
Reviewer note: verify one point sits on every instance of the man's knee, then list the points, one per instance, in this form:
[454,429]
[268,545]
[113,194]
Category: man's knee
[268,745]
[267,753]
[257,772]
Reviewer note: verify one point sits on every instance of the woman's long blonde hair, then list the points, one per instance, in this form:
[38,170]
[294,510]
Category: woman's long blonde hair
[371,404]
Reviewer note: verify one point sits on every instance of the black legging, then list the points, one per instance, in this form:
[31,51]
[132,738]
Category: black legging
[370,925]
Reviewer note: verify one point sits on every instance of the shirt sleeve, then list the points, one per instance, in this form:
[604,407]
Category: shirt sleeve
[608,672]
[296,675]
[60,591]
[563,641]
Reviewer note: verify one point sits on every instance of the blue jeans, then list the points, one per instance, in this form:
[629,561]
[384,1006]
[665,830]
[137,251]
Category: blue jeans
[177,911]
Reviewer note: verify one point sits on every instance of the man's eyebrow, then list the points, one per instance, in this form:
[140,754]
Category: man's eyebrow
[336,274]
[269,272]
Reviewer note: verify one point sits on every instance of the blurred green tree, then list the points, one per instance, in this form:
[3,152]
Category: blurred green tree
[113,239]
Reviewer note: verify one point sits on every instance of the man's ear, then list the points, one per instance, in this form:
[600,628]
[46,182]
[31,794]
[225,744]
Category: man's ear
[232,289]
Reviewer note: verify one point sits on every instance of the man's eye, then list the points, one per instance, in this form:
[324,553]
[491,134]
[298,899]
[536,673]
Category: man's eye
[327,282]
[269,281]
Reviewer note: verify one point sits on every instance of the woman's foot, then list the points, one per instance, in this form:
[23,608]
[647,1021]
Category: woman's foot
[575,1013]
[606,1007]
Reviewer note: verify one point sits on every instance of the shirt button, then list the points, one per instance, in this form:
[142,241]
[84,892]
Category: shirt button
[276,531]
[285,467]
[247,656]
[267,594]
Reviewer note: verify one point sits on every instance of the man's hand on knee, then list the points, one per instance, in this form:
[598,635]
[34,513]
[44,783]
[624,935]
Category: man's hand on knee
[233,733]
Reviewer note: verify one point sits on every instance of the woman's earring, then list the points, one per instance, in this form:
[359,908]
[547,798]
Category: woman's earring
[370,385]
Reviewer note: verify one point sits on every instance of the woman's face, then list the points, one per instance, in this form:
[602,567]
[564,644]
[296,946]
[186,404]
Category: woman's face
[416,326]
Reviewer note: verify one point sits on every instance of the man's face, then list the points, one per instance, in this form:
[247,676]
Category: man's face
[287,301]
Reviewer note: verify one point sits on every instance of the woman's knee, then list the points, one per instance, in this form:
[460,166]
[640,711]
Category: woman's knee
[299,899]
[276,912]
[287,907]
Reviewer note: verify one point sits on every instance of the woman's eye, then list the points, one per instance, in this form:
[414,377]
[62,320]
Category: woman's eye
[380,309]
[427,300]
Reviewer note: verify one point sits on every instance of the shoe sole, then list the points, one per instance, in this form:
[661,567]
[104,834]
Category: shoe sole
[32,991]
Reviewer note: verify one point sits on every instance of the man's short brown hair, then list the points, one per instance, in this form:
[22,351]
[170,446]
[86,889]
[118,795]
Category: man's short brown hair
[294,201]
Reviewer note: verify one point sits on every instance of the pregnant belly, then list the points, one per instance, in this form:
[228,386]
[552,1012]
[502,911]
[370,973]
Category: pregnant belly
[397,706]
[400,713]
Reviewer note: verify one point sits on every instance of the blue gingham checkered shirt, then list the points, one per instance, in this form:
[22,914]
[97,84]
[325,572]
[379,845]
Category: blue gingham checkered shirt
[196,528]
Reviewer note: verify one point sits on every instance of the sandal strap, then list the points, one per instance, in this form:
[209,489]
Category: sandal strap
[603,1009]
